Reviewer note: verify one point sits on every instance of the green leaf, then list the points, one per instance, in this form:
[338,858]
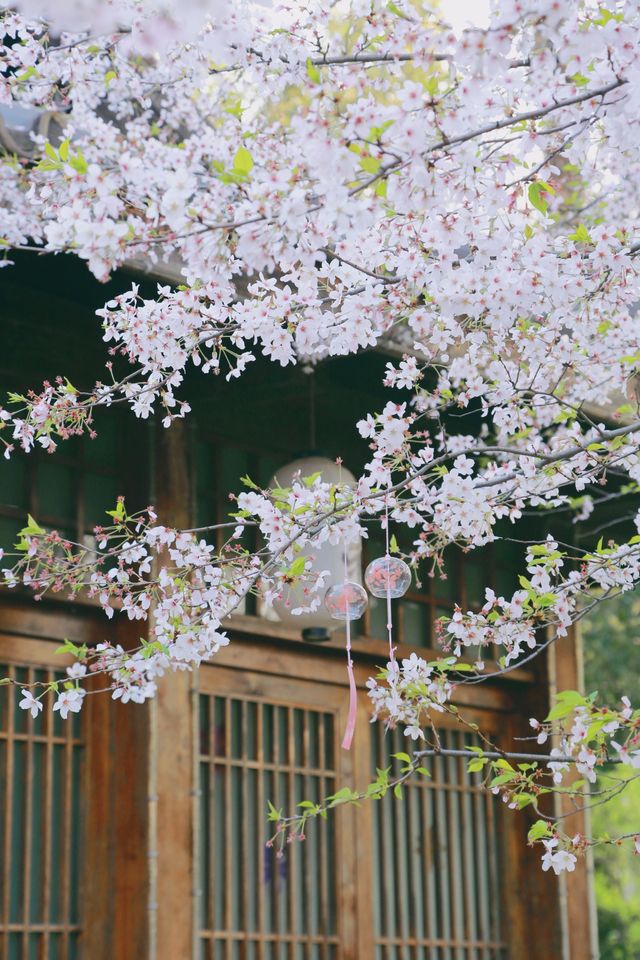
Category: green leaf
[119,512]
[370,164]
[535,195]
[309,481]
[581,235]
[312,71]
[50,151]
[109,76]
[539,830]
[64,150]
[274,814]
[248,482]
[502,764]
[69,647]
[397,791]
[79,163]
[32,529]
[402,756]
[474,766]
[297,567]
[579,79]
[503,778]
[242,162]
[567,701]
[342,796]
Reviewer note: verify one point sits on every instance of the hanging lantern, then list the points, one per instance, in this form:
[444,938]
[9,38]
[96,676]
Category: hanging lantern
[316,625]
[388,576]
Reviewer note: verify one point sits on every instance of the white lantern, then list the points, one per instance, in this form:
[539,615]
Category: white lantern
[315,626]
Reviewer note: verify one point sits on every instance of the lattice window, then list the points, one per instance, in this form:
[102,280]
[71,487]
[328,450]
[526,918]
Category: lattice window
[40,770]
[437,862]
[69,491]
[252,904]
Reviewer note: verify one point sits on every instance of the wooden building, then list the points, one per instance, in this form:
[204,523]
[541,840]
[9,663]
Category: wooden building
[137,832]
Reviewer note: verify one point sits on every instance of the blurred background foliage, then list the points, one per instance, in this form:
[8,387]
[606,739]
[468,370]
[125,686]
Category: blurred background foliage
[611,635]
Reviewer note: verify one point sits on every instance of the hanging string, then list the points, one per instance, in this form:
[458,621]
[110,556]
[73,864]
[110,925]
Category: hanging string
[353,693]
[392,649]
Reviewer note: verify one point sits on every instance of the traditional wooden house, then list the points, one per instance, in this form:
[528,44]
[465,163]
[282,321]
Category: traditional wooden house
[137,832]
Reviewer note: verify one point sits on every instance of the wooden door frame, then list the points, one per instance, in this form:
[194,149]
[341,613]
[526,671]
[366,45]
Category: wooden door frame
[113,873]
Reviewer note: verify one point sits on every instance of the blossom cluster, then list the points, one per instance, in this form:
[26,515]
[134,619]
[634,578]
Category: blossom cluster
[465,199]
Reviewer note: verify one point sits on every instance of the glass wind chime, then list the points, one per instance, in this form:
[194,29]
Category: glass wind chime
[387,578]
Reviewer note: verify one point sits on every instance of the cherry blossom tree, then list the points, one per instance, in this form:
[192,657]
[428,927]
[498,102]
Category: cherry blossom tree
[328,177]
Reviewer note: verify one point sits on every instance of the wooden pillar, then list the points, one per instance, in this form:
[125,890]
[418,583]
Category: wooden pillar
[532,899]
[116,879]
[580,933]
[171,783]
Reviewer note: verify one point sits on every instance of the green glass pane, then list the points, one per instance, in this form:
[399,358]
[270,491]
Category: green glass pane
[204,864]
[16,861]
[9,530]
[14,491]
[74,840]
[250,732]
[236,729]
[268,468]
[204,724]
[445,582]
[506,581]
[415,623]
[442,612]
[374,547]
[35,946]
[204,465]
[234,463]
[267,733]
[104,450]
[236,840]
[100,494]
[313,754]
[220,732]
[5,694]
[75,721]
[55,947]
[36,852]
[329,752]
[377,618]
[39,724]
[282,734]
[15,946]
[298,738]
[20,717]
[477,578]
[55,491]
[220,881]
[55,840]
